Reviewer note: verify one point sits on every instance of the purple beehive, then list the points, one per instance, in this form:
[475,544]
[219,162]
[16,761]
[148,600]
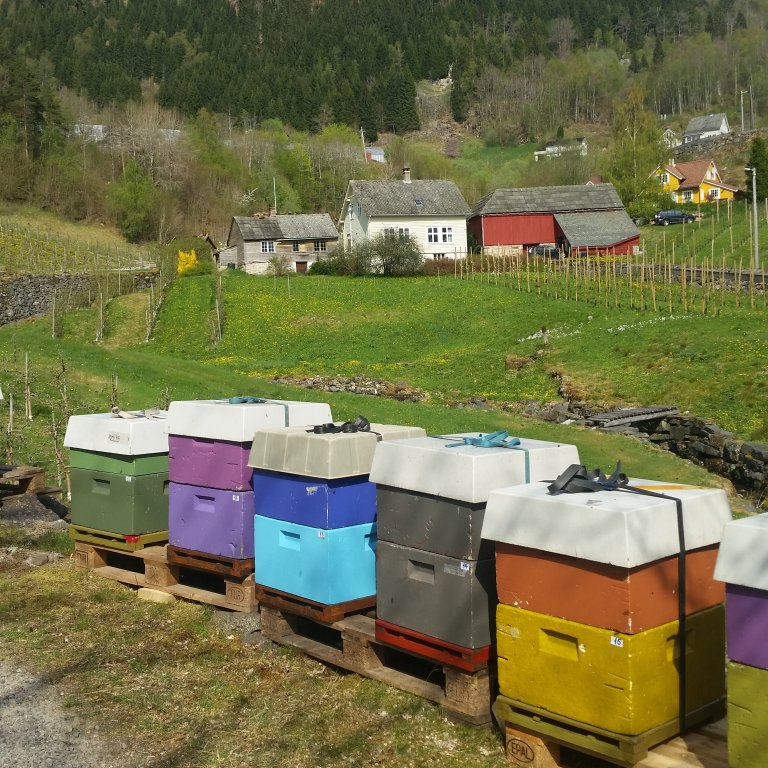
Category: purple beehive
[211,520]
[211,463]
[746,621]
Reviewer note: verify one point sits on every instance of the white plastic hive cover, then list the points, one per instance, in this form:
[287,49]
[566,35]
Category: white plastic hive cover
[743,555]
[236,422]
[614,527]
[467,473]
[107,433]
[329,456]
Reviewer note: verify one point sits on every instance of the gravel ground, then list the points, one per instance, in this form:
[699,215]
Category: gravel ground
[37,731]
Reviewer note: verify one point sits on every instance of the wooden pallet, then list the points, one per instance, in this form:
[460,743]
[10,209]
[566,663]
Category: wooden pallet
[309,609]
[109,540]
[149,567]
[538,739]
[20,480]
[351,644]
[203,561]
[440,651]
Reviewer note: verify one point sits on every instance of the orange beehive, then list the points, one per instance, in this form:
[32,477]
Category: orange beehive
[628,600]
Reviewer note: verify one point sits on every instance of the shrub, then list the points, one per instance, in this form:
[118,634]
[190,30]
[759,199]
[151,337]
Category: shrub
[279,265]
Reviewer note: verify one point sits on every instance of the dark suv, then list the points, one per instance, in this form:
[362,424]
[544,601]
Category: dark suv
[665,218]
[547,251]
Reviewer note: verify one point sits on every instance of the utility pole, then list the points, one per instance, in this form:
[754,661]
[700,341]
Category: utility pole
[741,96]
[755,244]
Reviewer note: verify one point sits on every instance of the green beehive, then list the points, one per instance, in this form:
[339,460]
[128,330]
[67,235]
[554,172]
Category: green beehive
[119,467]
[151,464]
[125,504]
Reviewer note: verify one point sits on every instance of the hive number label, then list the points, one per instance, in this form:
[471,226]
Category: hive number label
[235,497]
[617,641]
[321,534]
[464,566]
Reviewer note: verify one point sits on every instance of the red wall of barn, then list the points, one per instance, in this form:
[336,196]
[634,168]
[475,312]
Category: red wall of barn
[518,229]
[620,249]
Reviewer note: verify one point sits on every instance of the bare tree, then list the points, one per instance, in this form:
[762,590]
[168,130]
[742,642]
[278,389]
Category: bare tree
[562,33]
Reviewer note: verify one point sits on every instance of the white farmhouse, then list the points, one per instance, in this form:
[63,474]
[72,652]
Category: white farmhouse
[705,127]
[433,212]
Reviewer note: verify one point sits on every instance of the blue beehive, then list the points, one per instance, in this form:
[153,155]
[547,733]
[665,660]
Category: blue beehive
[325,566]
[314,502]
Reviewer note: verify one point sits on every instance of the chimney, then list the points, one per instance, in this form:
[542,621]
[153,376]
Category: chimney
[273,211]
[671,162]
[406,175]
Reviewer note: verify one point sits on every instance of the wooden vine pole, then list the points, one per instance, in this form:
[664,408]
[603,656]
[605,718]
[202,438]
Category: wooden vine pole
[684,288]
[27,389]
[738,282]
[751,284]
[653,286]
[9,431]
[527,272]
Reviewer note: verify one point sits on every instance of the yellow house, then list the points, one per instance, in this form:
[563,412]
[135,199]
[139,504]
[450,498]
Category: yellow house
[695,182]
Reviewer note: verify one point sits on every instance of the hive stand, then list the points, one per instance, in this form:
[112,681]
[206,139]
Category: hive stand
[351,644]
[149,567]
[537,739]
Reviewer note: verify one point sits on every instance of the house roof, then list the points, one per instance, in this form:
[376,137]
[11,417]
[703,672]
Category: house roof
[596,228]
[705,123]
[693,174]
[420,197]
[301,226]
[577,197]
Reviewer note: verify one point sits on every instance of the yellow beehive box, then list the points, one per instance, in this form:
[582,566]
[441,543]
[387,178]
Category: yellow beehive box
[626,684]
[747,716]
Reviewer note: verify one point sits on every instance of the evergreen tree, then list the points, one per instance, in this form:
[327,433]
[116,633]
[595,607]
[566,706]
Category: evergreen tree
[758,159]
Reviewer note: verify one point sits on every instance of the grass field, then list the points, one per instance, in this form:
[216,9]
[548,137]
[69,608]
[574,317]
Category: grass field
[166,680]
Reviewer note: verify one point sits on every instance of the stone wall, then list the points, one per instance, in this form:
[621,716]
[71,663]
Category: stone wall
[25,296]
[694,150]
[742,462]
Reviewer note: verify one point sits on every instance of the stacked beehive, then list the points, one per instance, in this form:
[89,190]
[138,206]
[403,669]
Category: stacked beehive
[435,574]
[211,498]
[315,530]
[588,621]
[743,565]
[119,477]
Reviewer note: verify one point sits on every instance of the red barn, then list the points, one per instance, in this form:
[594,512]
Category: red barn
[575,218]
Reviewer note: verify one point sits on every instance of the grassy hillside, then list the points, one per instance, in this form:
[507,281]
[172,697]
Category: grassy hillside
[450,338]
[718,238]
[140,375]
[35,241]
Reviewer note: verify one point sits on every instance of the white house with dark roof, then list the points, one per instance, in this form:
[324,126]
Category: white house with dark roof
[432,211]
[705,127]
[301,238]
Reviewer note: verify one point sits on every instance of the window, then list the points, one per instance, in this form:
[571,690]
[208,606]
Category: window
[447,234]
[714,194]
[687,196]
[665,178]
[432,235]
[267,246]
[321,245]
[397,232]
[295,246]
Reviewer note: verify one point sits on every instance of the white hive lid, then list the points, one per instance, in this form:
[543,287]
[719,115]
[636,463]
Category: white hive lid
[466,473]
[613,527]
[236,422]
[330,456]
[107,433]
[743,556]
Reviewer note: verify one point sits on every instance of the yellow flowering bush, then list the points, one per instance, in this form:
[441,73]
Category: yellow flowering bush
[186,260]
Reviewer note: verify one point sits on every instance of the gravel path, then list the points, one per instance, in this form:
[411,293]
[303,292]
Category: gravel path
[37,731]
